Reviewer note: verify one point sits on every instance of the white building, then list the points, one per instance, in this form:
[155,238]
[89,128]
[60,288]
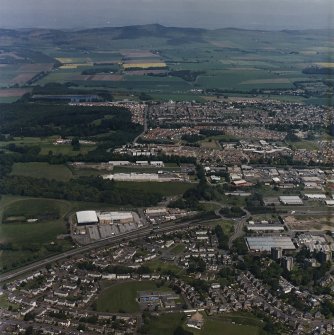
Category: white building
[87,217]
[291,200]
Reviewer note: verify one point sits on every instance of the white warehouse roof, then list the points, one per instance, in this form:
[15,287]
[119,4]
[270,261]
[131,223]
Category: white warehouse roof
[115,216]
[265,243]
[291,200]
[87,217]
[315,196]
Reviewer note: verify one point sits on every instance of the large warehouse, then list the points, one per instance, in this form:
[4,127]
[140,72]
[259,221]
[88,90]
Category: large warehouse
[87,218]
[291,200]
[115,217]
[265,243]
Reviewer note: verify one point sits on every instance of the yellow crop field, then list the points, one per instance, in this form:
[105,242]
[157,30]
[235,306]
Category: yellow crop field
[65,60]
[144,65]
[325,64]
[75,65]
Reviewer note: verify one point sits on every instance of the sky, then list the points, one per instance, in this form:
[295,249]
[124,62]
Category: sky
[212,14]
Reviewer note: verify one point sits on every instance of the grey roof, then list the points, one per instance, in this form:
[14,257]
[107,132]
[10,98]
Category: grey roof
[265,243]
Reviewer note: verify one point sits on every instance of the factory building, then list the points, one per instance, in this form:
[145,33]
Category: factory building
[291,200]
[316,196]
[115,217]
[85,218]
[266,243]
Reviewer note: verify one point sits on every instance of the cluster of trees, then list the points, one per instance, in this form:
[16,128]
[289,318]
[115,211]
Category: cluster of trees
[196,264]
[6,164]
[269,273]
[47,119]
[255,204]
[100,69]
[227,275]
[192,138]
[93,189]
[303,275]
[221,237]
[66,89]
[232,212]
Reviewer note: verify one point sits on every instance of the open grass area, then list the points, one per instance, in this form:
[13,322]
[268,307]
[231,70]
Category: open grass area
[226,225]
[218,327]
[35,240]
[308,145]
[165,324]
[166,189]
[42,170]
[5,304]
[47,146]
[231,324]
[122,297]
[65,149]
[163,267]
[177,249]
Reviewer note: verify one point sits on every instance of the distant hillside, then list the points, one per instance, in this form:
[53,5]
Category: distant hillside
[171,35]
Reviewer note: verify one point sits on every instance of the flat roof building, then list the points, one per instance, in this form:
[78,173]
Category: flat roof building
[87,218]
[316,196]
[265,243]
[291,200]
[265,227]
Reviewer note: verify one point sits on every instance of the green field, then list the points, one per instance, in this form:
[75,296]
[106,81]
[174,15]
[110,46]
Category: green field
[166,189]
[122,297]
[177,249]
[164,324]
[160,266]
[229,324]
[65,149]
[226,225]
[42,170]
[218,327]
[47,146]
[33,241]
[5,304]
[240,60]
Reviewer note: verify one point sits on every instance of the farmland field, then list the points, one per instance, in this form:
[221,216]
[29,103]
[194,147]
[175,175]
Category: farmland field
[42,170]
[166,189]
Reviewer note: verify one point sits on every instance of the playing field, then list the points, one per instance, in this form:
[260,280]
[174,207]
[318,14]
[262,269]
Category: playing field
[167,323]
[122,297]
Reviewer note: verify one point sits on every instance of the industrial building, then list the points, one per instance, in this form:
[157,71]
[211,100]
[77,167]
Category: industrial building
[115,217]
[329,202]
[265,227]
[86,218]
[156,211]
[265,243]
[316,196]
[142,177]
[291,200]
